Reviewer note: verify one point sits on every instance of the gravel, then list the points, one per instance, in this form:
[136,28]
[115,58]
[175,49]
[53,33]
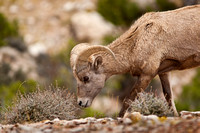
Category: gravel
[108,125]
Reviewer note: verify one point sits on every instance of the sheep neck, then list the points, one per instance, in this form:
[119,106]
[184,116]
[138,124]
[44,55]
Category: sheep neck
[120,64]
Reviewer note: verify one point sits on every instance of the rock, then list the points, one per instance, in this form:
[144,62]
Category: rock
[13,9]
[80,121]
[142,129]
[37,49]
[118,128]
[119,120]
[90,26]
[28,6]
[144,3]
[153,118]
[129,129]
[48,122]
[19,62]
[31,20]
[127,121]
[17,43]
[109,119]
[26,128]
[56,120]
[188,115]
[48,130]
[28,38]
[70,124]
[134,116]
[78,5]
[100,120]
[90,119]
[78,129]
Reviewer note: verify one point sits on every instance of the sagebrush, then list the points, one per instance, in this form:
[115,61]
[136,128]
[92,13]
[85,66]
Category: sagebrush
[149,104]
[41,105]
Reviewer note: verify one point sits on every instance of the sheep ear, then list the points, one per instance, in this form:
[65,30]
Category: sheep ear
[97,62]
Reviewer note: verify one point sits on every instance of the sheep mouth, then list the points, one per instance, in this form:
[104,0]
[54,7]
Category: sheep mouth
[86,104]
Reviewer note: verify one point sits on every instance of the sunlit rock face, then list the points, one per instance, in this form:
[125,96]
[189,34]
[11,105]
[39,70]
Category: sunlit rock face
[90,26]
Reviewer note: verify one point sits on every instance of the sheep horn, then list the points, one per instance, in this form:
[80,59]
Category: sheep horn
[82,59]
[76,51]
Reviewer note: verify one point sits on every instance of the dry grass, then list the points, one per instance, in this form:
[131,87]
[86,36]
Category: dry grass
[41,105]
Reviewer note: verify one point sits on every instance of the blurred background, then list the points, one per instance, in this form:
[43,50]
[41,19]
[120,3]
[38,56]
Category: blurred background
[36,37]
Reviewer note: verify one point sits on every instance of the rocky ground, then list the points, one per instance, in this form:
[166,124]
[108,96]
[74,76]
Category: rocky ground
[189,122]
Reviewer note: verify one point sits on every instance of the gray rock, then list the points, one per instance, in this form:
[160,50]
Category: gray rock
[127,121]
[78,129]
[18,62]
[187,114]
[90,26]
[78,5]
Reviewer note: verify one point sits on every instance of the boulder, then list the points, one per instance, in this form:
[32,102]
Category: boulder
[90,26]
[18,62]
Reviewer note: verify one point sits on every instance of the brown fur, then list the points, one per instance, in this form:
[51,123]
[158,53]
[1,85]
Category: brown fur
[155,44]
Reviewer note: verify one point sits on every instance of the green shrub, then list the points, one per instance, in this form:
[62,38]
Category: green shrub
[124,12]
[165,5]
[190,96]
[41,105]
[119,12]
[149,104]
[8,29]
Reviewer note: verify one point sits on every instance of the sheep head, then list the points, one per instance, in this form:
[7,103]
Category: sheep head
[88,71]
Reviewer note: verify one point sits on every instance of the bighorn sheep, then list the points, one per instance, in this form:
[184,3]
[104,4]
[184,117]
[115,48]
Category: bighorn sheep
[155,44]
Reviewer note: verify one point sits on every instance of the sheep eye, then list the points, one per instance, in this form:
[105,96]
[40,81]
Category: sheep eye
[86,79]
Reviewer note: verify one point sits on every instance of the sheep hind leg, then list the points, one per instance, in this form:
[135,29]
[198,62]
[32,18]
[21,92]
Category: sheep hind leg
[164,78]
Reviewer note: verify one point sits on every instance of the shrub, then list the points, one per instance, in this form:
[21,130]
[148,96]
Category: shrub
[41,105]
[149,104]
[124,12]
[165,5]
[8,92]
[119,12]
[8,29]
[189,98]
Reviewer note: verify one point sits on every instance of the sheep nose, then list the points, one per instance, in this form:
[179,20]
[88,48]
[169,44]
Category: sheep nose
[79,103]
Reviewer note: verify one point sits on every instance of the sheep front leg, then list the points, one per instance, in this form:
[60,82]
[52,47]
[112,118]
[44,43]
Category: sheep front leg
[141,84]
[164,78]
